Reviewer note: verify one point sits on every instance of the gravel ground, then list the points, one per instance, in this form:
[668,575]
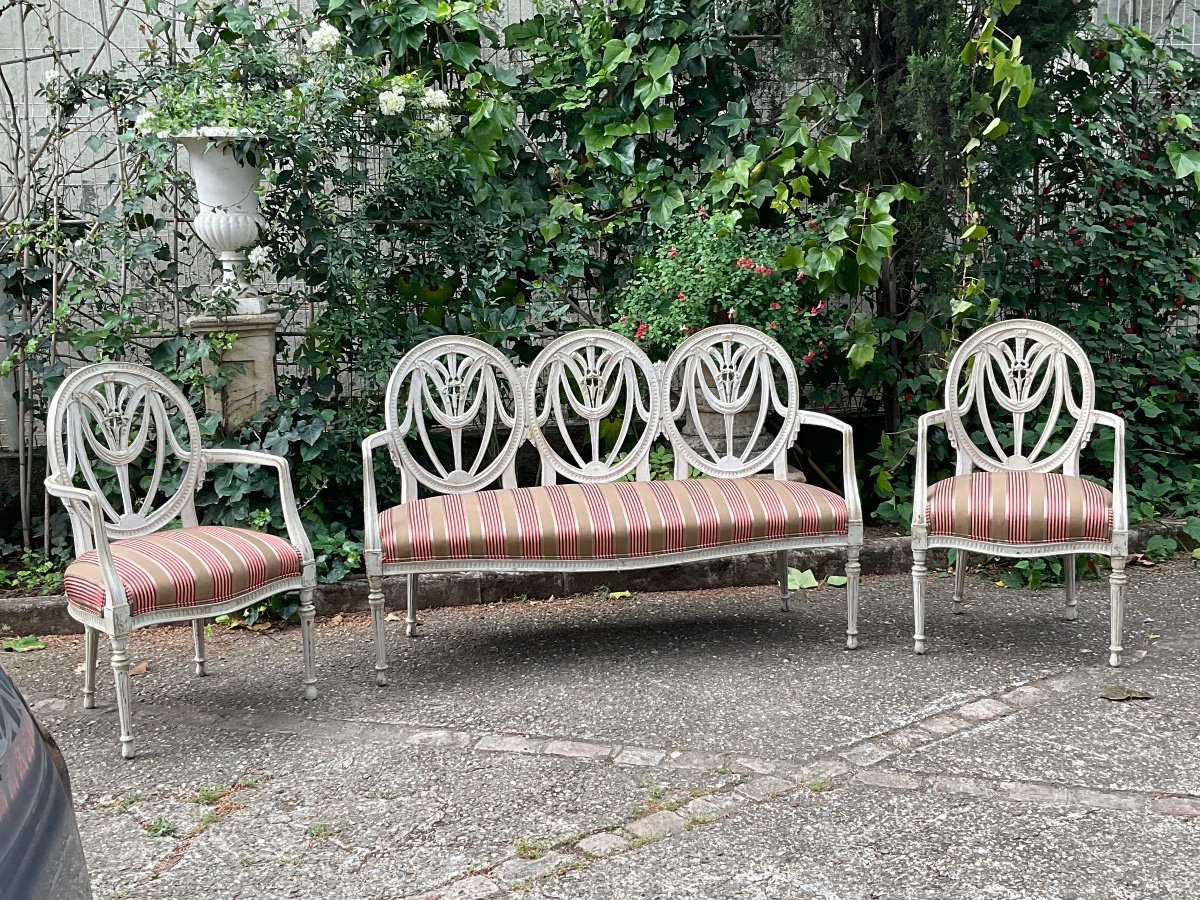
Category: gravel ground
[691,744]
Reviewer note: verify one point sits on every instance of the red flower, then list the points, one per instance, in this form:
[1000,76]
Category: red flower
[1037,263]
[776,306]
[1129,222]
[1153,380]
[672,253]
[1072,230]
[681,296]
[1179,301]
[1179,398]
[702,213]
[908,396]
[1118,185]
[641,331]
[771,325]
[799,276]
[1143,155]
[812,224]
[623,319]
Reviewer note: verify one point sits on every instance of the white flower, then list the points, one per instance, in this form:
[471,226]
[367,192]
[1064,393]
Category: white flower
[51,76]
[391,102]
[143,120]
[439,126]
[435,99]
[258,258]
[324,39]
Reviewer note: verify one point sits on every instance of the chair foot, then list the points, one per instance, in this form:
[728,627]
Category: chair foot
[200,670]
[410,629]
[958,608]
[1071,613]
[381,678]
[127,751]
[1114,659]
[852,642]
[919,647]
[784,605]
[310,692]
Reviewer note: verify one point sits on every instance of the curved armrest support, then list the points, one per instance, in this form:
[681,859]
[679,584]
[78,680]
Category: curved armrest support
[1120,498]
[287,500]
[921,480]
[849,474]
[371,539]
[71,494]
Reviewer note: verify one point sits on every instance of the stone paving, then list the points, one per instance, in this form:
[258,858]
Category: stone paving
[697,744]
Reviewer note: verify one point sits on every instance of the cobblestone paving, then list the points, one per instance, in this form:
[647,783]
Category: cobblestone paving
[674,745]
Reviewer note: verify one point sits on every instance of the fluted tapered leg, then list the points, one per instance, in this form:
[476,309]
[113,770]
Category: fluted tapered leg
[1069,580]
[308,614]
[1117,580]
[198,639]
[781,568]
[853,580]
[410,624]
[919,573]
[91,639]
[375,598]
[960,580]
[120,667]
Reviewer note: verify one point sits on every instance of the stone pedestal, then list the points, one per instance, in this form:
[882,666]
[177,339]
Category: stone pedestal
[254,351]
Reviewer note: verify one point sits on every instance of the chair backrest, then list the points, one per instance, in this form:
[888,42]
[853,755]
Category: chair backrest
[722,384]
[475,398]
[127,433]
[594,407]
[1041,383]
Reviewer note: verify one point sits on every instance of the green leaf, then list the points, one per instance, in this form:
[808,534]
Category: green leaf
[798,580]
[836,580]
[1184,162]
[1192,528]
[23,644]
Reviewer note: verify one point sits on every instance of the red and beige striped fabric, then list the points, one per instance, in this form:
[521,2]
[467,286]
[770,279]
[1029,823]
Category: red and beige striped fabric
[608,521]
[183,568]
[1020,508]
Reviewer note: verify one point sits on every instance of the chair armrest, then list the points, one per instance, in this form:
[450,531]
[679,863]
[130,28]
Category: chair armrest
[371,539]
[70,493]
[849,473]
[1119,492]
[287,500]
[921,450]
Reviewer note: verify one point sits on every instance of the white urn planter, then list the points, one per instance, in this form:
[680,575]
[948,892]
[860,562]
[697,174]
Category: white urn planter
[228,220]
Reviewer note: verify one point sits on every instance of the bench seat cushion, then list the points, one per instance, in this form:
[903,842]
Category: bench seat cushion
[608,521]
[1020,508]
[184,567]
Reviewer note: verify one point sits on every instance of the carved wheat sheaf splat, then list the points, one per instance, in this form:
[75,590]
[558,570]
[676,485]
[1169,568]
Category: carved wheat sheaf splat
[464,389]
[579,382]
[1035,378]
[726,373]
[116,433]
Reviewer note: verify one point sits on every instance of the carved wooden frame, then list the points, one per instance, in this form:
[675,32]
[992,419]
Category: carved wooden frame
[591,374]
[1018,365]
[121,401]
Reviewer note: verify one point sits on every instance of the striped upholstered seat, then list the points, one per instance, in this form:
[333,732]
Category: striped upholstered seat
[184,568]
[1020,508]
[608,521]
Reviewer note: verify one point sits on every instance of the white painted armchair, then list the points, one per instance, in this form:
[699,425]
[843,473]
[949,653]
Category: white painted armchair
[126,461]
[1017,491]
